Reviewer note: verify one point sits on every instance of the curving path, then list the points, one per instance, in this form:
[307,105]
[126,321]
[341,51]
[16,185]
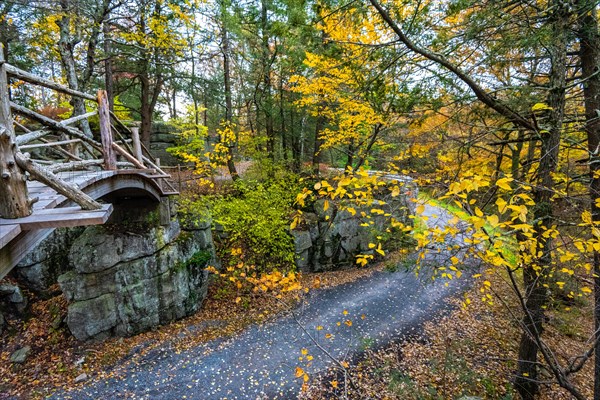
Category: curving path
[260,362]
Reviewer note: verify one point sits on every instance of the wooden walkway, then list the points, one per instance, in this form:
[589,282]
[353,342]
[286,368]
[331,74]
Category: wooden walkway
[53,210]
[52,175]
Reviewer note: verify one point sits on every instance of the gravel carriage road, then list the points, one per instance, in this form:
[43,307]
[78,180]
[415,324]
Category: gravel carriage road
[261,361]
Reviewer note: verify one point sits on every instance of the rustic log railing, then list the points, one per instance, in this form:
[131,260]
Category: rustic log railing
[60,146]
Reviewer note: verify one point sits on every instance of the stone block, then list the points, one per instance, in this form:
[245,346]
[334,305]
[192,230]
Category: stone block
[151,277]
[90,318]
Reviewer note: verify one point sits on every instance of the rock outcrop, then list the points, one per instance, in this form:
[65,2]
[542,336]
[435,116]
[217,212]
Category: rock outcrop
[42,266]
[162,137]
[330,237]
[124,283]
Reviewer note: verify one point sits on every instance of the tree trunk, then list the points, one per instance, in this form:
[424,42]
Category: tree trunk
[296,148]
[350,158]
[145,112]
[283,133]
[589,42]
[267,100]
[108,70]
[534,279]
[372,140]
[228,101]
[66,49]
[317,144]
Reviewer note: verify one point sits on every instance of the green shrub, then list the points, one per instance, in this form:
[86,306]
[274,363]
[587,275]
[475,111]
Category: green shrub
[256,219]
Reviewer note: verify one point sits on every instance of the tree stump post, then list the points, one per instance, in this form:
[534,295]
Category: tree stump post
[110,158]
[137,144]
[14,199]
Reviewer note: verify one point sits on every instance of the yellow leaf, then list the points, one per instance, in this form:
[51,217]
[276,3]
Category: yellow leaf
[493,220]
[420,209]
[501,204]
[540,106]
[503,183]
[334,384]
[299,372]
[304,352]
[325,205]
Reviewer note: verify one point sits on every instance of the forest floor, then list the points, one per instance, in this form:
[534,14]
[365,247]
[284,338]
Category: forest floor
[470,352]
[467,352]
[57,359]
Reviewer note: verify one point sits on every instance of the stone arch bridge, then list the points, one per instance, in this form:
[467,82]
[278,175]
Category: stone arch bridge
[143,268]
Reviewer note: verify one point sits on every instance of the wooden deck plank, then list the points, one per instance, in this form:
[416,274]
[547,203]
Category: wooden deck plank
[61,217]
[45,203]
[16,249]
[8,233]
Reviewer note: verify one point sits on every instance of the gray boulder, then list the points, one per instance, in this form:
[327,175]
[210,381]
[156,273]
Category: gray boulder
[13,297]
[20,356]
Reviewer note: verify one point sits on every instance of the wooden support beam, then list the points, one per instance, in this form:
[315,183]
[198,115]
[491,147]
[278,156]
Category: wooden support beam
[61,218]
[38,135]
[153,165]
[64,152]
[14,199]
[45,176]
[85,164]
[122,140]
[57,126]
[31,136]
[27,77]
[78,118]
[110,158]
[74,166]
[43,162]
[127,156]
[49,144]
[119,123]
[172,189]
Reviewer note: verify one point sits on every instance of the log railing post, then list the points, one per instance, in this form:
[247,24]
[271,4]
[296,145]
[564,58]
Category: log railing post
[137,144]
[14,199]
[110,158]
